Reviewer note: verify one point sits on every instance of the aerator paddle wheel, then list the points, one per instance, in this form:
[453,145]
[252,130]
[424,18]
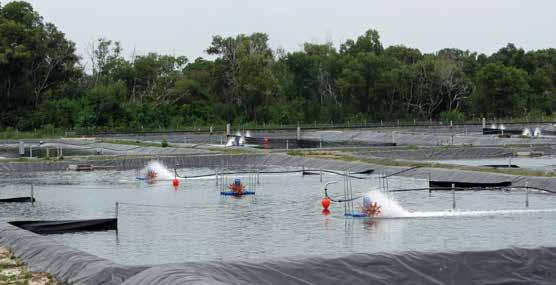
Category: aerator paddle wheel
[372,210]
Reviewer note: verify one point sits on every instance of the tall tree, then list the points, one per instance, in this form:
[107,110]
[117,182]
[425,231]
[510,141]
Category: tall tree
[35,60]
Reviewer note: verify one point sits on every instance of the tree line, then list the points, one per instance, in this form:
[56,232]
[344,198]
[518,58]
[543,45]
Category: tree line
[43,83]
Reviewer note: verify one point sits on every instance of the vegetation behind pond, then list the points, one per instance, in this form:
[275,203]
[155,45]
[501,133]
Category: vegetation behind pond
[44,84]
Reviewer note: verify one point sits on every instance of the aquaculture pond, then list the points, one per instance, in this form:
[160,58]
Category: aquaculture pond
[160,224]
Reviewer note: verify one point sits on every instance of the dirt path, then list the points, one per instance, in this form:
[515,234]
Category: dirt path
[14,271]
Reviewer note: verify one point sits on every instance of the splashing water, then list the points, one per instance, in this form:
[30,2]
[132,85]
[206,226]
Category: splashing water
[389,207]
[162,172]
[526,132]
[537,132]
[231,141]
[502,127]
[493,126]
[248,134]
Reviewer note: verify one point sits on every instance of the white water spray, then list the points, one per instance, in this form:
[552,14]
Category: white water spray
[162,172]
[389,207]
[526,132]
[537,132]
[231,141]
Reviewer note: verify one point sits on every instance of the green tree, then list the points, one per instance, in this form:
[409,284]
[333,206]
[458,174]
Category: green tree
[501,91]
[35,60]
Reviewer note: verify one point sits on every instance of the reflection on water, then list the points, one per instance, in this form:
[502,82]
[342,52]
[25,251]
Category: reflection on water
[284,218]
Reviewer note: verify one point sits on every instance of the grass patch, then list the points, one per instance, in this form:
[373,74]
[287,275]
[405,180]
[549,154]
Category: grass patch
[12,134]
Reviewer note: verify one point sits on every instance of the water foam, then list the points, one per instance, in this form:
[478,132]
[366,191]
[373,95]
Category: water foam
[483,213]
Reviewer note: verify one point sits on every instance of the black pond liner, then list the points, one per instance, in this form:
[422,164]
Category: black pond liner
[307,143]
[18,200]
[501,165]
[491,131]
[448,184]
[67,226]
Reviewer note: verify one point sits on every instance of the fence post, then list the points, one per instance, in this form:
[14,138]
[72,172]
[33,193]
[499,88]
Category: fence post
[453,196]
[526,194]
[21,148]
[430,191]
[116,209]
[32,194]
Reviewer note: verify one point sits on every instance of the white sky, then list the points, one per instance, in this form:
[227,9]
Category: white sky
[186,27]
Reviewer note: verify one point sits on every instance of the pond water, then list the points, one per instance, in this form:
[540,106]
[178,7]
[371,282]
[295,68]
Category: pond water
[283,219]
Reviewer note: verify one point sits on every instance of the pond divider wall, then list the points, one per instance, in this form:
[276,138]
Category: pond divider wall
[18,200]
[67,226]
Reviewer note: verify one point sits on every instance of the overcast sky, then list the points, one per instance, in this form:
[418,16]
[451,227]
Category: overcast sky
[186,27]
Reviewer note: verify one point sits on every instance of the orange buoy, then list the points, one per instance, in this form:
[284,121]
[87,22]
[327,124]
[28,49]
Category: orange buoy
[175,182]
[325,202]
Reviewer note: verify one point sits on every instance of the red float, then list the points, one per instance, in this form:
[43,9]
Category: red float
[325,202]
